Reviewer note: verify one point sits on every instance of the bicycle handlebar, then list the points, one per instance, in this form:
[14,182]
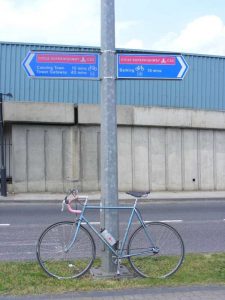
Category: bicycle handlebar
[73,196]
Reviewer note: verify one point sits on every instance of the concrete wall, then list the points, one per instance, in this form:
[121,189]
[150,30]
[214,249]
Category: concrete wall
[156,116]
[155,158]
[59,113]
[165,159]
[43,157]
[158,149]
[65,114]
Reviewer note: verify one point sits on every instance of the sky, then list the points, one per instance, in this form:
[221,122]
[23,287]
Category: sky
[186,26]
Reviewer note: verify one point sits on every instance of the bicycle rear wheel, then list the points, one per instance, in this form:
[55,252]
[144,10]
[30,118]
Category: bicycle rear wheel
[157,257]
[58,262]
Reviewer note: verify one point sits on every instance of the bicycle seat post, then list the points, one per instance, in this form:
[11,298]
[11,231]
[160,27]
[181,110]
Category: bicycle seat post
[135,202]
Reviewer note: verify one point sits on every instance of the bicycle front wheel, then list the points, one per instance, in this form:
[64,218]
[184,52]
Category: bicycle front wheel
[55,258]
[156,251]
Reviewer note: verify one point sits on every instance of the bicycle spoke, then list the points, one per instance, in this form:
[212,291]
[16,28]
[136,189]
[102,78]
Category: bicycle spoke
[55,257]
[167,251]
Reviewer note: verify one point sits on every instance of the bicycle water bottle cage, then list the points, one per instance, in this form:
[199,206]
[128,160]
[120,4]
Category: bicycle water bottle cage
[138,194]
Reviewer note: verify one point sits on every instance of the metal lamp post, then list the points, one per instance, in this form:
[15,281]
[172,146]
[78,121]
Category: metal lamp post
[109,180]
[3,167]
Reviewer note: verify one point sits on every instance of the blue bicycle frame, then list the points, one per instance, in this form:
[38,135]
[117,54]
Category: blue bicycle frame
[117,252]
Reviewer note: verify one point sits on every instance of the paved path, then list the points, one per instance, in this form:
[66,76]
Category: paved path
[181,293]
[154,196]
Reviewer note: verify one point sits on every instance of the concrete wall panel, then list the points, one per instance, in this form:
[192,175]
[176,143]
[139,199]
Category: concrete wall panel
[125,180]
[70,165]
[152,116]
[140,145]
[206,159]
[89,156]
[157,166]
[173,159]
[54,159]
[38,112]
[35,160]
[219,160]
[190,160]
[19,158]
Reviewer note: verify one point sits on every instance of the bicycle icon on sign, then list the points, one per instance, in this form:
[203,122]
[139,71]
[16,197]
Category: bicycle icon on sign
[139,69]
[92,68]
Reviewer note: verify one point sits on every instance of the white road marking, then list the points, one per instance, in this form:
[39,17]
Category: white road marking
[172,221]
[4,224]
[165,221]
[92,223]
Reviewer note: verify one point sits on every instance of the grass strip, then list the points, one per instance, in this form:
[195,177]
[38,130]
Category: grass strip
[27,278]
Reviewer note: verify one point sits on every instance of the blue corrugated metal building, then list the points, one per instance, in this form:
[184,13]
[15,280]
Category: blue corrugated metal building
[202,88]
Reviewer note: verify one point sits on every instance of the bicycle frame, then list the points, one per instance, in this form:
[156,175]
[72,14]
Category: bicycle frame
[117,252]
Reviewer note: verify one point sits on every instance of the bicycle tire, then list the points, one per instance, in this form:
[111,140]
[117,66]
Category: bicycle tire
[164,262]
[51,253]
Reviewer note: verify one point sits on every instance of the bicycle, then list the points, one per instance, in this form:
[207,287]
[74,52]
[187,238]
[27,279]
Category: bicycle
[67,249]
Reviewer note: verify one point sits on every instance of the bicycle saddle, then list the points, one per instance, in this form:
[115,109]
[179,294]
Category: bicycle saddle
[138,194]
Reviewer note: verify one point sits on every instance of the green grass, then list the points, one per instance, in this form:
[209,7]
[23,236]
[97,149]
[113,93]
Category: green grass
[27,278]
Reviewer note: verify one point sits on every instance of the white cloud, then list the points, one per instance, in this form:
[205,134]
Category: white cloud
[132,44]
[69,22]
[124,35]
[51,21]
[77,22]
[204,35]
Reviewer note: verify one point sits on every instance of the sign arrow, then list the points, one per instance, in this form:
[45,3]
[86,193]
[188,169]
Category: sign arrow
[183,67]
[27,64]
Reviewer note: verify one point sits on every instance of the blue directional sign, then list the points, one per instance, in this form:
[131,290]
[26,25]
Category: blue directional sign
[62,65]
[151,66]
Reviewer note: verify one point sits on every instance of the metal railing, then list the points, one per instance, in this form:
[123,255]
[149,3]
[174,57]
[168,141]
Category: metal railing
[7,158]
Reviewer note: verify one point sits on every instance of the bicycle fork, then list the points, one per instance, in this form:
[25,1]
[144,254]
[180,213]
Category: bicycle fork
[70,244]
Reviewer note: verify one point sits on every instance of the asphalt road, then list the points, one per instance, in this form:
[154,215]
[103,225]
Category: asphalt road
[200,223]
[158,293]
